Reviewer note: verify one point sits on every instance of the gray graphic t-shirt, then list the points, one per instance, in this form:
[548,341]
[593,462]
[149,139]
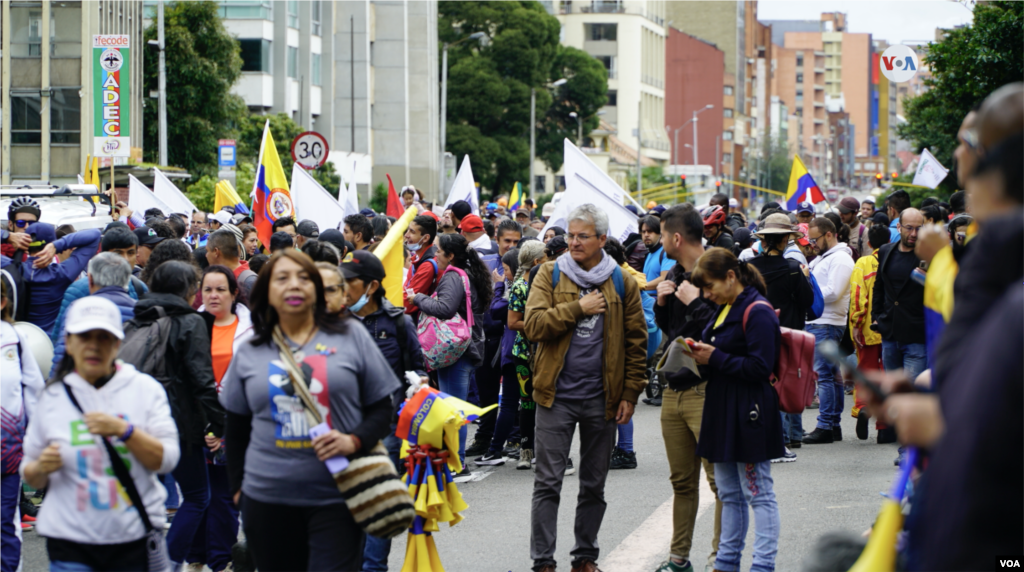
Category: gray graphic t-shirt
[582,374]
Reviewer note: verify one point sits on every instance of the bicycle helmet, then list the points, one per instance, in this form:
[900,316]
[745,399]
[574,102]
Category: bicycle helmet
[23,205]
[714,215]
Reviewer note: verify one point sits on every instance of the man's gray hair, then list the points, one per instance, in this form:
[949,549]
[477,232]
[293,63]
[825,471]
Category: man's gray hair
[109,269]
[590,214]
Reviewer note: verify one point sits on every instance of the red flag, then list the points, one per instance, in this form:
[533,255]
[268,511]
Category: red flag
[395,207]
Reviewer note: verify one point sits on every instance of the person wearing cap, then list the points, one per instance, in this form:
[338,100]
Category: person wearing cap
[218,219]
[22,212]
[423,272]
[368,213]
[48,281]
[358,231]
[222,248]
[805,212]
[306,230]
[335,237]
[849,209]
[238,219]
[735,218]
[395,336]
[62,451]
[147,239]
[473,229]
[523,218]
[459,210]
[20,385]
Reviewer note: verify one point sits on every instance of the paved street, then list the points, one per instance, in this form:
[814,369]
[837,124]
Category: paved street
[830,487]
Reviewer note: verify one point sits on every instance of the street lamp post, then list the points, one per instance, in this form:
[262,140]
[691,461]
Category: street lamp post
[695,114]
[483,37]
[533,129]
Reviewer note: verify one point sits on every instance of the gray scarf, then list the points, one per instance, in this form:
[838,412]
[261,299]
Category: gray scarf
[587,278]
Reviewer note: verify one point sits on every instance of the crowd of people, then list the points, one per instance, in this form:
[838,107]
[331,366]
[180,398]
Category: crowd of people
[178,339]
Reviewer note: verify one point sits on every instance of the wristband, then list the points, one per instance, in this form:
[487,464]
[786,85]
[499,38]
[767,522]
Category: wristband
[128,433]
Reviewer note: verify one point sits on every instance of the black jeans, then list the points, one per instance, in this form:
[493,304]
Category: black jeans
[287,538]
[488,385]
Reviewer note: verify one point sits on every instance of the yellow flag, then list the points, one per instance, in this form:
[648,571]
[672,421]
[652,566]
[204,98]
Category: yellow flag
[390,254]
[226,196]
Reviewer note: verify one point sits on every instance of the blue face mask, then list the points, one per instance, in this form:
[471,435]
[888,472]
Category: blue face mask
[359,303]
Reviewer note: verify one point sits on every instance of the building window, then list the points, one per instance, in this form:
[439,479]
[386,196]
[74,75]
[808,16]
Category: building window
[243,10]
[66,116]
[606,6]
[613,97]
[315,72]
[728,90]
[26,32]
[727,157]
[727,112]
[541,183]
[25,121]
[293,62]
[65,30]
[609,65]
[293,13]
[727,135]
[559,183]
[601,32]
[799,59]
[256,55]
[799,78]
[314,9]
[799,97]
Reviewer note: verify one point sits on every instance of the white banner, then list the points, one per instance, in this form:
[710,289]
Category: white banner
[169,194]
[141,198]
[349,198]
[313,202]
[464,188]
[929,171]
[578,165]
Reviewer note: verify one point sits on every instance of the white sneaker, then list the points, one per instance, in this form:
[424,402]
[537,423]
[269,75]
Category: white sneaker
[569,468]
[194,567]
[525,460]
[787,457]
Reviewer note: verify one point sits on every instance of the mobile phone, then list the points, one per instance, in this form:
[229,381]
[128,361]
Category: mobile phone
[830,351]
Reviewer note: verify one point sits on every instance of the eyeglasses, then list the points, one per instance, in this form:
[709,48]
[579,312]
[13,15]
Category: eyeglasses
[569,237]
[22,223]
[910,229]
[813,239]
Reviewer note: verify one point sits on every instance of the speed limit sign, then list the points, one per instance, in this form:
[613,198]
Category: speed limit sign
[310,150]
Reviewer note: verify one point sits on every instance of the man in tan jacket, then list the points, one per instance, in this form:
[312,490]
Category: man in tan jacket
[587,320]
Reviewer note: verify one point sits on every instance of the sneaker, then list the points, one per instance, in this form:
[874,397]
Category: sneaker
[525,460]
[623,459]
[512,451]
[670,566]
[490,459]
[819,436]
[463,475]
[194,567]
[27,518]
[655,401]
[25,526]
[27,507]
[787,457]
[862,425]
[887,435]
[795,444]
[814,404]
[478,447]
[837,433]
[569,469]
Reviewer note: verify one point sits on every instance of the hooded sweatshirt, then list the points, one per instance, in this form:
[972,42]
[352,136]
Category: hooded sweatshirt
[20,384]
[84,502]
[832,271]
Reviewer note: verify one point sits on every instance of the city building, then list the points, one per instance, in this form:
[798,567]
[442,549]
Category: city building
[694,80]
[47,78]
[628,37]
[800,84]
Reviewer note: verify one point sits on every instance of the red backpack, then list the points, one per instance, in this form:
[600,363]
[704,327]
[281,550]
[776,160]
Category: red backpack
[794,377]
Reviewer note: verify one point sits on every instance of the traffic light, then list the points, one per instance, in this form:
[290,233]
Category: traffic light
[718,183]
[894,175]
[682,180]
[878,177]
[703,180]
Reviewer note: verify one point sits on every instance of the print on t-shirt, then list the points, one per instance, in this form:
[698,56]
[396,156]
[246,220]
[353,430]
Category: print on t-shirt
[585,327]
[290,425]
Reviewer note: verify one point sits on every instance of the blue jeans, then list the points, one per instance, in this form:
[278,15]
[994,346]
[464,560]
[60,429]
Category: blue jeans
[172,501]
[741,485]
[454,380]
[831,396]
[377,550]
[218,529]
[792,427]
[10,525]
[911,358]
[625,441]
[192,477]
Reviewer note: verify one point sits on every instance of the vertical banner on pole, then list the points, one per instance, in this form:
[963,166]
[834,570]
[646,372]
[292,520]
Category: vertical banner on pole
[112,103]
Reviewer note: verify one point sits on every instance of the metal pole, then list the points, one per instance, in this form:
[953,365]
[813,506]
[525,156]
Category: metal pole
[579,134]
[695,138]
[352,79]
[675,147]
[639,144]
[162,87]
[444,115]
[718,162]
[533,141]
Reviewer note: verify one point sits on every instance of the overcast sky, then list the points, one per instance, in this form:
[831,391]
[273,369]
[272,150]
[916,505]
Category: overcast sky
[894,21]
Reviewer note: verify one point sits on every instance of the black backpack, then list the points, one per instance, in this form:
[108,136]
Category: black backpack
[145,346]
[17,288]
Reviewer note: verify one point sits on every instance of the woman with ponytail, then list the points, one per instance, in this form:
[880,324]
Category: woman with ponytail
[741,430]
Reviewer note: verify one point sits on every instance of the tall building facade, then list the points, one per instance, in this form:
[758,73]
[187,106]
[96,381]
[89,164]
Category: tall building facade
[629,38]
[694,79]
[48,83]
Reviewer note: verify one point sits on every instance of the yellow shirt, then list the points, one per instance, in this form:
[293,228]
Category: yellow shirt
[723,314]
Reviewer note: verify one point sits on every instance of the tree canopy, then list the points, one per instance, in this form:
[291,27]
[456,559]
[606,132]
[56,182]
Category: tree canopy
[202,62]
[967,64]
[489,87]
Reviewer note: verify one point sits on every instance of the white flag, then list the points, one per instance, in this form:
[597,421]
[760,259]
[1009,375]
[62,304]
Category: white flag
[464,188]
[313,202]
[170,195]
[350,197]
[929,171]
[579,165]
[141,198]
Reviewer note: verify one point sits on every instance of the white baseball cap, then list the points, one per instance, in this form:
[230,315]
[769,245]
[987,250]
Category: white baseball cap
[733,203]
[94,313]
[223,217]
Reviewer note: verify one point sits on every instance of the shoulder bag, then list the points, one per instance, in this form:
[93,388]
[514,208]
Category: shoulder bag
[444,341]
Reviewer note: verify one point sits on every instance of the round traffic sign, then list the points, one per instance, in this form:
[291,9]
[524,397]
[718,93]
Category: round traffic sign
[310,150]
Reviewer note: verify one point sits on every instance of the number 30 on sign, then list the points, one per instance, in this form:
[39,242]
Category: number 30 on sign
[310,150]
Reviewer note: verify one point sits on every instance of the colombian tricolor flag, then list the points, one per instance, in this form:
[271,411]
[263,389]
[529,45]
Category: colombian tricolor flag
[801,186]
[270,197]
[516,200]
[225,196]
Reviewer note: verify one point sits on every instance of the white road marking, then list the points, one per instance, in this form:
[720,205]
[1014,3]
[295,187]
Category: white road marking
[648,545]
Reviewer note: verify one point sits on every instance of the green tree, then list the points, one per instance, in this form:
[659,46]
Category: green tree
[967,64]
[202,63]
[489,87]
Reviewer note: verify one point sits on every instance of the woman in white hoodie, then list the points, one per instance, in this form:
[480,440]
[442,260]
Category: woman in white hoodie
[230,324]
[86,516]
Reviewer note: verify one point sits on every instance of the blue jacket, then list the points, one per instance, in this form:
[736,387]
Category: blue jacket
[894,233]
[741,421]
[47,285]
[499,313]
[124,302]
[80,289]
